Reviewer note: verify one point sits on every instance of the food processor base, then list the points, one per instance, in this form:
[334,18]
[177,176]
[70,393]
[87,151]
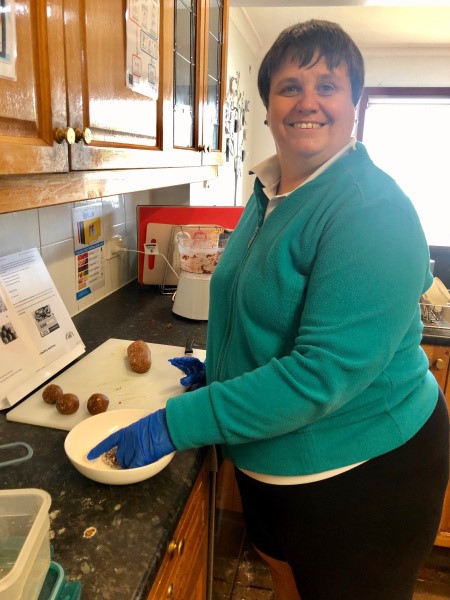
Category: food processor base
[192,296]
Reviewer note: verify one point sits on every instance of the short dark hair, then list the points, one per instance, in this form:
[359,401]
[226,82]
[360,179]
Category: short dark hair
[313,39]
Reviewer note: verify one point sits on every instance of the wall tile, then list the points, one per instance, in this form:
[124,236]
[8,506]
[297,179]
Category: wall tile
[131,243]
[55,223]
[135,199]
[19,231]
[113,210]
[116,272]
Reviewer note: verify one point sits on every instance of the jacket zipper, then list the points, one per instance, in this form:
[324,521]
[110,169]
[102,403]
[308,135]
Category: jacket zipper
[226,337]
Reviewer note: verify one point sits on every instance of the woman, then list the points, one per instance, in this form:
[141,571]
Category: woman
[317,387]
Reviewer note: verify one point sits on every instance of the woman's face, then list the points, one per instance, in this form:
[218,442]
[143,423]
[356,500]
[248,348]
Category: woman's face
[310,113]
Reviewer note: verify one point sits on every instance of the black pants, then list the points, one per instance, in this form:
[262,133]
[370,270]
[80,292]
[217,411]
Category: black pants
[361,535]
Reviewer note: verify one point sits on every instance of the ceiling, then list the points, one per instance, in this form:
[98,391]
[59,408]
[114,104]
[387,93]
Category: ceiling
[399,24]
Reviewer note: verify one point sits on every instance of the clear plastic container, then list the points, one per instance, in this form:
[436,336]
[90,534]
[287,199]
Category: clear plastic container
[24,542]
[198,255]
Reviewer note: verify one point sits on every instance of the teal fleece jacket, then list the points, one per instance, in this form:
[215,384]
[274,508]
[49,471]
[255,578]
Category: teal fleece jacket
[313,351]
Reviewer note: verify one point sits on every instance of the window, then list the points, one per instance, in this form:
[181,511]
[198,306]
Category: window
[407,133]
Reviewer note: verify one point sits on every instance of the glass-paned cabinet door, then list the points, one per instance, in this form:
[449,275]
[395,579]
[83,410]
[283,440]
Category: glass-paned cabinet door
[184,72]
[211,117]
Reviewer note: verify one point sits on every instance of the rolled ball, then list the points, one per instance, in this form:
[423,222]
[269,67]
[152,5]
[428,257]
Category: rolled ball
[67,404]
[97,404]
[51,393]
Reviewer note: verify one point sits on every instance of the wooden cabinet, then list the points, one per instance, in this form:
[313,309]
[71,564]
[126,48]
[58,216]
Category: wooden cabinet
[183,572]
[33,107]
[199,68]
[70,111]
[439,361]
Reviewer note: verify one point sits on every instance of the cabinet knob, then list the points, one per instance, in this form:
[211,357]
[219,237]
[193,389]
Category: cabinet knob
[169,593]
[65,135]
[175,548]
[85,135]
[201,148]
[439,363]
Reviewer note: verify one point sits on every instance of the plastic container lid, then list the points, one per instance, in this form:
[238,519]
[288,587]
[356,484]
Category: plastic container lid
[56,587]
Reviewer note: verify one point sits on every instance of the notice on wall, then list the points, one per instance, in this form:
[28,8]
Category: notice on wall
[37,336]
[89,249]
[8,41]
[142,26]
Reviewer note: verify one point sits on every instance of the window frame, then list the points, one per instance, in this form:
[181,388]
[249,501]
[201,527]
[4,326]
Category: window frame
[394,92]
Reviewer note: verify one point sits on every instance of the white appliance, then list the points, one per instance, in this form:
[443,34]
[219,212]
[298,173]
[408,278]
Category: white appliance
[198,250]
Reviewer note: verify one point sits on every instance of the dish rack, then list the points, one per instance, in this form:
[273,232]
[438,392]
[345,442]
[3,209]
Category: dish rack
[435,306]
[435,315]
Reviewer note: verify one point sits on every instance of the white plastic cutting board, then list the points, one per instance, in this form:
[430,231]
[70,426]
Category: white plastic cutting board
[106,370]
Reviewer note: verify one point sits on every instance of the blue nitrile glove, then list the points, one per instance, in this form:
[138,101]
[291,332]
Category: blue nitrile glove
[194,369]
[140,443]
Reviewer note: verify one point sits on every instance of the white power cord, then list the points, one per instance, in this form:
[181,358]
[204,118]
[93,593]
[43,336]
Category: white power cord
[151,250]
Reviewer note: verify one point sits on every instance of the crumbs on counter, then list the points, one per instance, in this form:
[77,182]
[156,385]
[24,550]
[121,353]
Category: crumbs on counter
[90,532]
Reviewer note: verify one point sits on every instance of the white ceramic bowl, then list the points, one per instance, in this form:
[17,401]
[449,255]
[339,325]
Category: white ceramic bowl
[85,435]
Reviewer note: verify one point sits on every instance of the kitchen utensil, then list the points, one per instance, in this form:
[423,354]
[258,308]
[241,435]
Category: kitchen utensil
[106,370]
[87,434]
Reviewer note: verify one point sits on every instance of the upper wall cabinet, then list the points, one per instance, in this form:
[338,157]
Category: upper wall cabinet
[33,108]
[198,76]
[70,110]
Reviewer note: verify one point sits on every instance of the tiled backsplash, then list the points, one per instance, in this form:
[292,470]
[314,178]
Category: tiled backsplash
[50,230]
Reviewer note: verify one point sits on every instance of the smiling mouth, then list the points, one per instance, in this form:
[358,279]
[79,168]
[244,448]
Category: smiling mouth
[306,125]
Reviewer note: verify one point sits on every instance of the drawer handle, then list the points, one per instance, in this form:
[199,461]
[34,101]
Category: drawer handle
[439,363]
[170,591]
[175,548]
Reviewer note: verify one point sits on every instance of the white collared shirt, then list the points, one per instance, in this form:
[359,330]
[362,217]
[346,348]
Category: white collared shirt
[269,173]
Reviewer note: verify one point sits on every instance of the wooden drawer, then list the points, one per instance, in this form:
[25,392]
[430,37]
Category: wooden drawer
[183,573]
[439,359]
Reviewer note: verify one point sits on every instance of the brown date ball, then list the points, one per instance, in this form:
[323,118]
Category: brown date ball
[97,404]
[51,393]
[67,404]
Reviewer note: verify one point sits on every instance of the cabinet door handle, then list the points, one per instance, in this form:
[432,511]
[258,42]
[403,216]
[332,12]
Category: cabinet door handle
[65,135]
[439,363]
[175,548]
[85,135]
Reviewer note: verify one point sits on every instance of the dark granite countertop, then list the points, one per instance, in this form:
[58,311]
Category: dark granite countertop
[133,523]
[436,336]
